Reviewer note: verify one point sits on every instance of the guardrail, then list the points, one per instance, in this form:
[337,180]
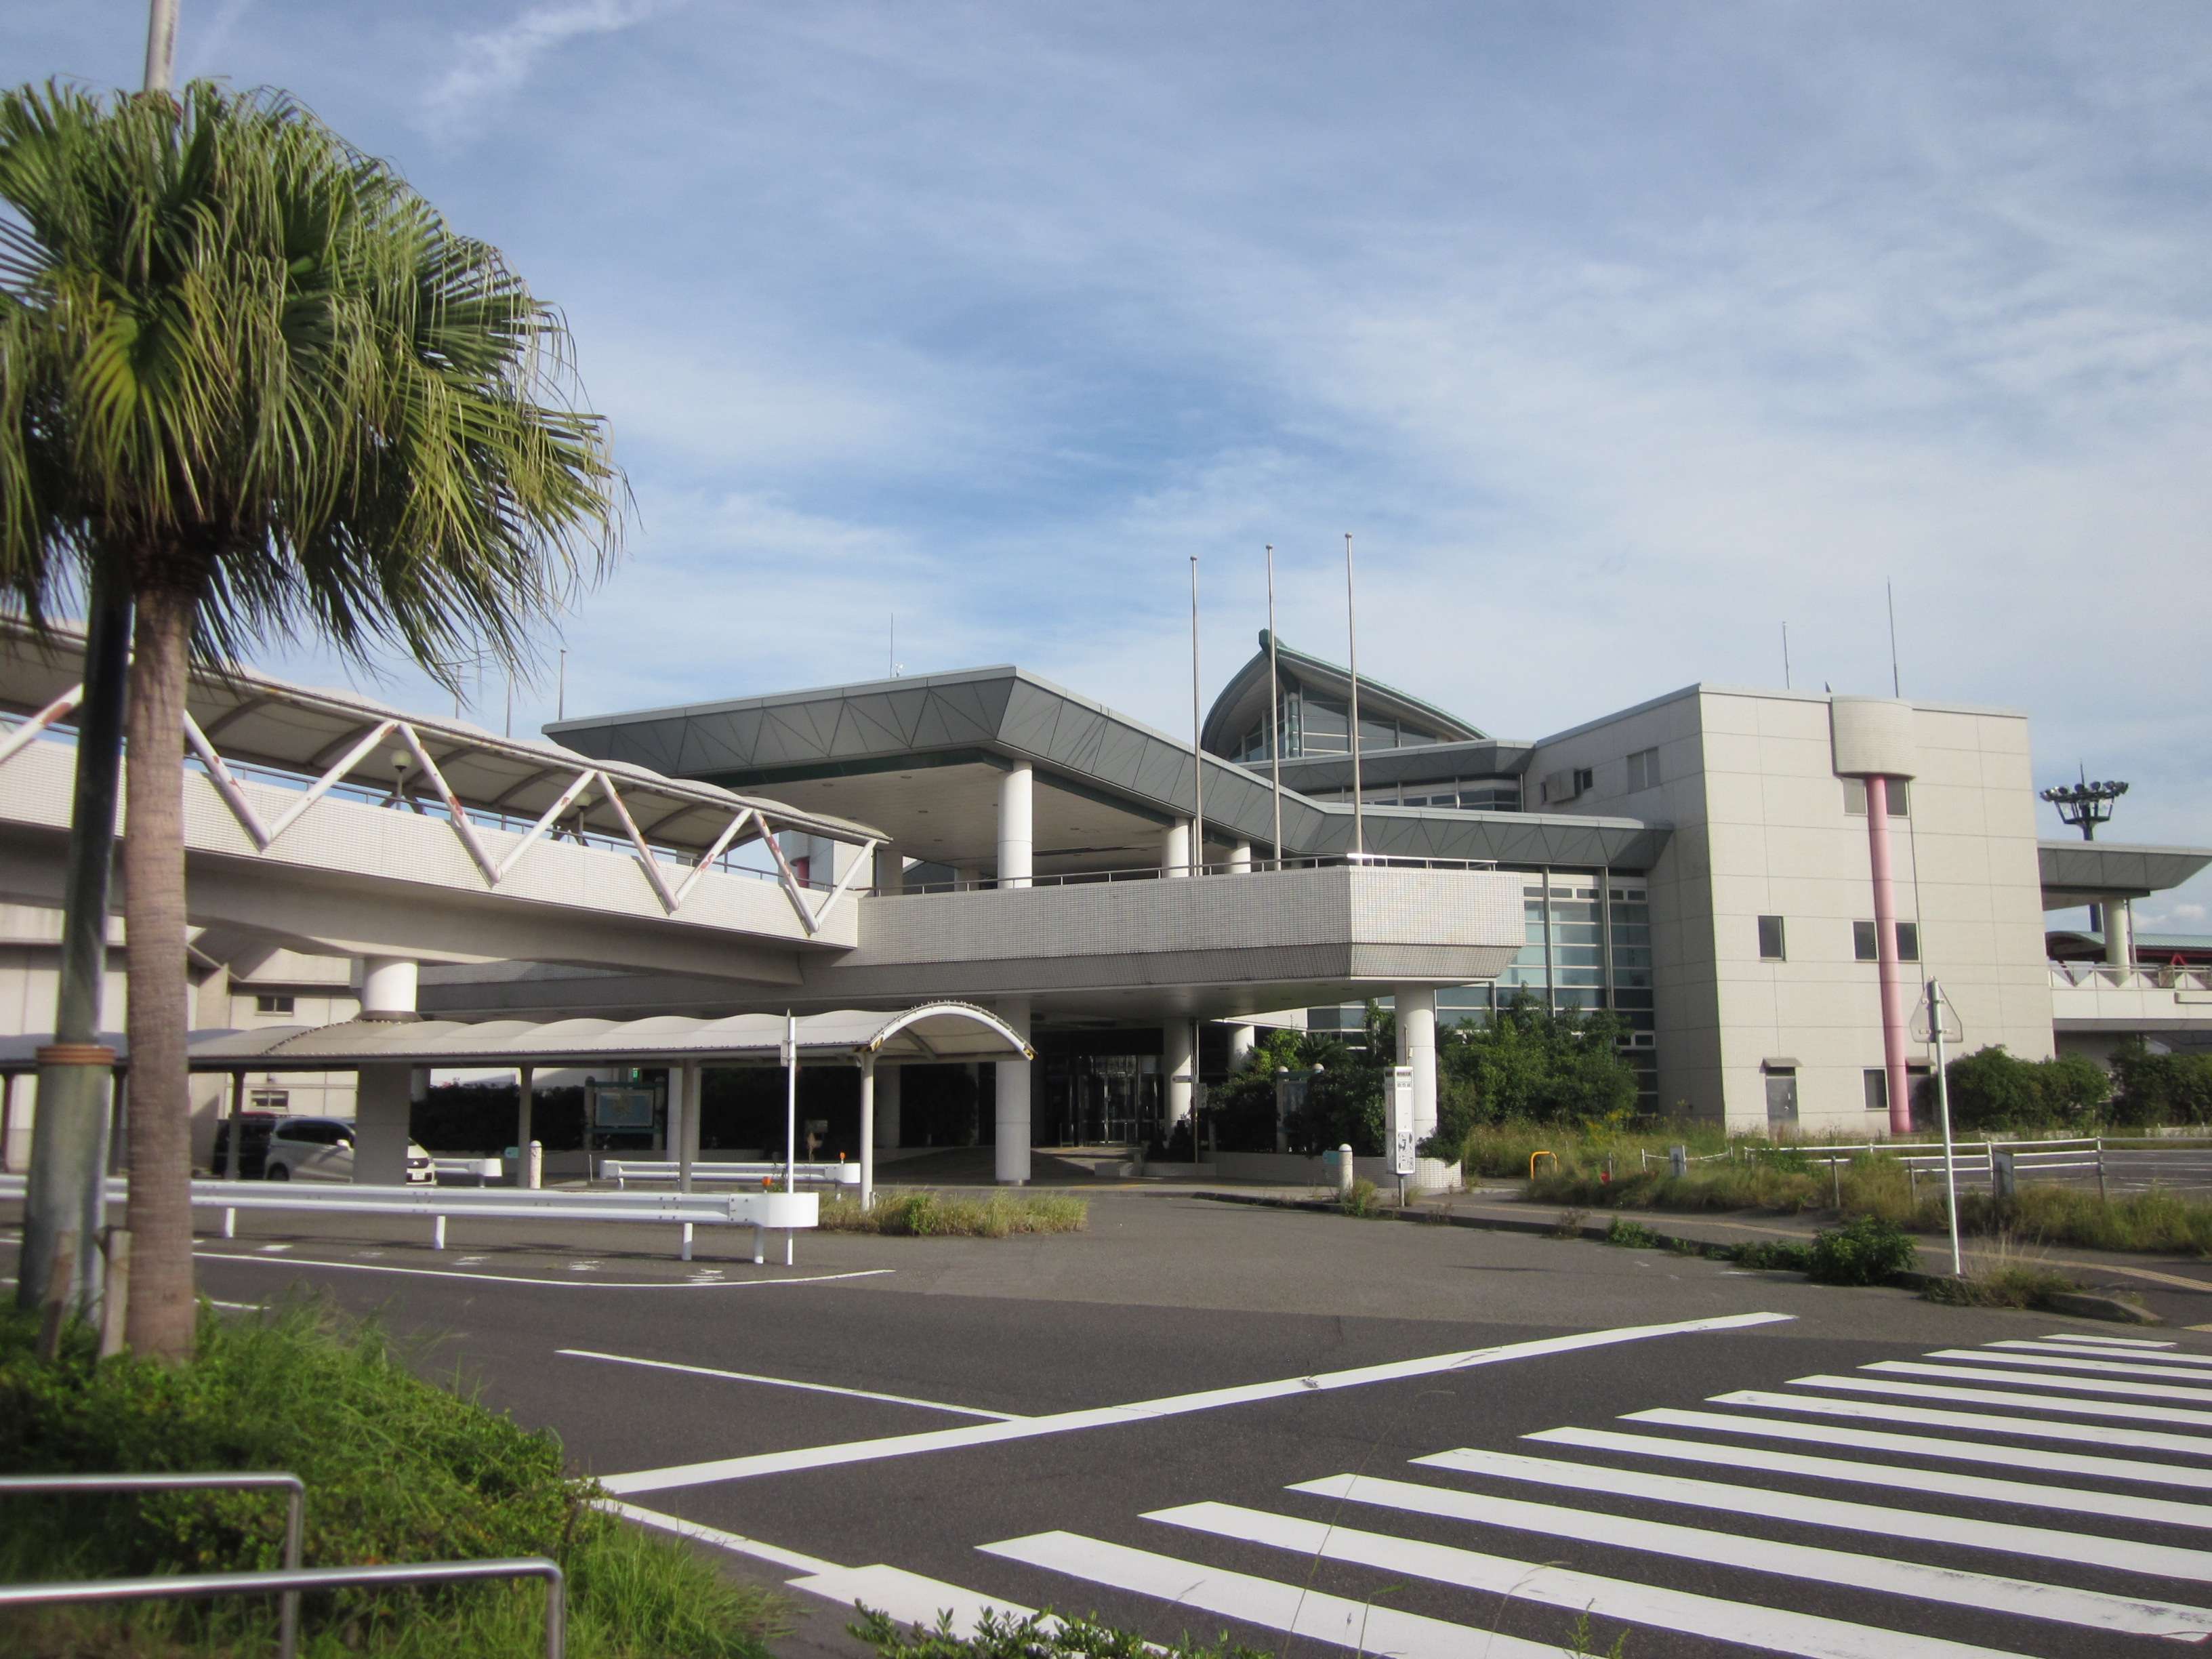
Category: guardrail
[292,1582]
[2128,1163]
[482,1169]
[785,1213]
[622,1171]
[294,1489]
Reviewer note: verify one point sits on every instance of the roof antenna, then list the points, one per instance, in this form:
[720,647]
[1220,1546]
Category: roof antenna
[1896,686]
[1786,656]
[1352,632]
[892,658]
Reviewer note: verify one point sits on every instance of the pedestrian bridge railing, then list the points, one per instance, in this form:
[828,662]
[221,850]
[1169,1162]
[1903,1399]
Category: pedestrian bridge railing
[784,1212]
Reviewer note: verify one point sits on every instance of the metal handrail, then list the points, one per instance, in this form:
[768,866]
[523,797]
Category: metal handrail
[296,1491]
[1158,873]
[291,1583]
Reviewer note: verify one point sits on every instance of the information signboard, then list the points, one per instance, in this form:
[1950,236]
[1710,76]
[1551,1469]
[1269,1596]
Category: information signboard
[1401,1121]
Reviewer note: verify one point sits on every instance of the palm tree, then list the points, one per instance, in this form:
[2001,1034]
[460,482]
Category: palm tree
[250,377]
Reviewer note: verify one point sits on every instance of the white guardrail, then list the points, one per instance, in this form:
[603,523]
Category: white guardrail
[785,1213]
[623,1170]
[2126,1163]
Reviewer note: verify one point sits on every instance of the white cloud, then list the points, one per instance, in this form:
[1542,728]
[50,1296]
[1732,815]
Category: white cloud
[496,64]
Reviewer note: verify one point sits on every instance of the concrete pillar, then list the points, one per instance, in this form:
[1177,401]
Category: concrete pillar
[1417,1051]
[890,875]
[2120,932]
[1016,834]
[526,1098]
[1175,848]
[1240,1039]
[684,1084]
[867,1130]
[387,988]
[1240,859]
[1177,1066]
[887,1104]
[1013,1100]
[382,1094]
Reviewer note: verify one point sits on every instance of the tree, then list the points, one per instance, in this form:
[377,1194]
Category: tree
[251,377]
[1531,1062]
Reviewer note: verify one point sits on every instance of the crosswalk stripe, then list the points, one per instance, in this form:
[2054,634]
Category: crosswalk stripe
[1953,1587]
[2174,1361]
[1775,1629]
[1934,1417]
[2126,1506]
[2088,1549]
[2033,1402]
[2070,1363]
[2115,1342]
[2040,1380]
[907,1597]
[1382,1632]
[1922,1445]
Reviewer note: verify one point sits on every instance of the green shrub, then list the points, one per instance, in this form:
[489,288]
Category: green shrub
[1527,1062]
[1993,1091]
[1630,1235]
[1870,1251]
[2162,1088]
[397,1469]
[1360,1201]
[922,1214]
[1774,1255]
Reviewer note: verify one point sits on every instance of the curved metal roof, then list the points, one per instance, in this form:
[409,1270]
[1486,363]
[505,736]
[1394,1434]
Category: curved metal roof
[1227,720]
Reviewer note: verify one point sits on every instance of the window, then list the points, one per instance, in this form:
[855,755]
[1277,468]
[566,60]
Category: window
[272,1005]
[1877,1087]
[1643,769]
[1773,943]
[1866,949]
[270,1100]
[1900,798]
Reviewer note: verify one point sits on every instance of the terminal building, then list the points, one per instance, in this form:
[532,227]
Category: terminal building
[1737,872]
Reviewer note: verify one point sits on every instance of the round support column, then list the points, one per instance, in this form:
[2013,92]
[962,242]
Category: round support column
[1417,1050]
[1177,1068]
[388,986]
[383,1094]
[1016,836]
[1013,1101]
[1175,848]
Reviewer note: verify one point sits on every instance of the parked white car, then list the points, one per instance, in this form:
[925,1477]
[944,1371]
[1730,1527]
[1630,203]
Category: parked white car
[321,1149]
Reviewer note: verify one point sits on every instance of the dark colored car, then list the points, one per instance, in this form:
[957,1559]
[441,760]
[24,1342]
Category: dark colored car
[253,1130]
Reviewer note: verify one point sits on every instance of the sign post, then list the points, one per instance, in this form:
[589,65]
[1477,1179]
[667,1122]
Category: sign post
[790,1103]
[1938,1017]
[1400,1126]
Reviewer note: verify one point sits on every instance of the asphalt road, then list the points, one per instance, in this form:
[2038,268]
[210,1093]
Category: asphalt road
[1204,1418]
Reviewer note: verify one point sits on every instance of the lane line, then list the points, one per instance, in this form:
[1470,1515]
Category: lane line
[774,1554]
[2085,1549]
[786,1383]
[1807,1635]
[2130,1367]
[2035,1428]
[1143,1411]
[511,1279]
[1922,1445]
[2031,1402]
[2040,1380]
[1990,1592]
[1366,1628]
[2173,1361]
[2123,1506]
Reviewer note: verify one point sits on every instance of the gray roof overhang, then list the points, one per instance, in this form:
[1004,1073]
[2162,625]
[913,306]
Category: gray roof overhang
[1491,758]
[1006,713]
[2087,871]
[1244,699]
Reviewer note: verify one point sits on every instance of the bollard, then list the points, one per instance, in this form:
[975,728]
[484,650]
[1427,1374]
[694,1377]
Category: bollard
[438,1233]
[2004,1180]
[1677,1161]
[537,1165]
[1344,1170]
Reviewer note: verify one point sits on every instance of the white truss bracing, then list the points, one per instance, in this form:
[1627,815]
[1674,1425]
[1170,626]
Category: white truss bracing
[264,834]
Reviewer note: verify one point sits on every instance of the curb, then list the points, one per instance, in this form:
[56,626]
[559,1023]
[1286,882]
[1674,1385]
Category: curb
[2080,1304]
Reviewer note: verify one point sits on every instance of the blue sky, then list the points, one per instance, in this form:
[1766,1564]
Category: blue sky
[1619,334]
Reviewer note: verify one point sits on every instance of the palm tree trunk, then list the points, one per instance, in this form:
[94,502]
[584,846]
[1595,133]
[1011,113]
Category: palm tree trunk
[163,1309]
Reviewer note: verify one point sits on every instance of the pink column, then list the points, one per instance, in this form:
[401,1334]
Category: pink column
[1894,1033]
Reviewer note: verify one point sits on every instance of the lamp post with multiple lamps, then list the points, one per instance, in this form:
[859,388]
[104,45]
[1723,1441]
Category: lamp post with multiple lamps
[2083,806]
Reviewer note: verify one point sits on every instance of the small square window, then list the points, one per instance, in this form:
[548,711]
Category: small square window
[1863,941]
[1585,779]
[1643,769]
[1866,949]
[1908,941]
[1900,798]
[1772,945]
[272,1005]
[1877,1089]
[270,1100]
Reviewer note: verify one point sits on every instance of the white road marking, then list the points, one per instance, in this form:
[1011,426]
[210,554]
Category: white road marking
[985,1434]
[2032,1402]
[727,1540]
[568,1284]
[2088,1549]
[2124,1506]
[2034,1428]
[1382,1632]
[2041,1380]
[1955,1588]
[1771,1628]
[2054,1347]
[2117,1341]
[785,1383]
[908,1597]
[2077,1360]
[1922,1445]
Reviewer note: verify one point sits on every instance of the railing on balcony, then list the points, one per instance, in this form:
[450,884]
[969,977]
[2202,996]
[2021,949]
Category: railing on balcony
[2110,976]
[1158,873]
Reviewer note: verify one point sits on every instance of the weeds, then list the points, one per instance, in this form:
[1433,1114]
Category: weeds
[397,1469]
[939,1215]
[1037,1636]
[2008,1274]
[1870,1251]
[1570,1224]
[1361,1199]
[1630,1235]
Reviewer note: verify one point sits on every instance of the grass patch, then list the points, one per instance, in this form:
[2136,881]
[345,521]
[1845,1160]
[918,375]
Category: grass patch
[1630,1235]
[1035,1636]
[948,1215]
[2007,1273]
[397,1469]
[1361,1200]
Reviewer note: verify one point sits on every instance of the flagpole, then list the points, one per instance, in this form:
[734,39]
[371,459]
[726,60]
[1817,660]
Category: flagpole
[1197,762]
[1274,707]
[1352,627]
